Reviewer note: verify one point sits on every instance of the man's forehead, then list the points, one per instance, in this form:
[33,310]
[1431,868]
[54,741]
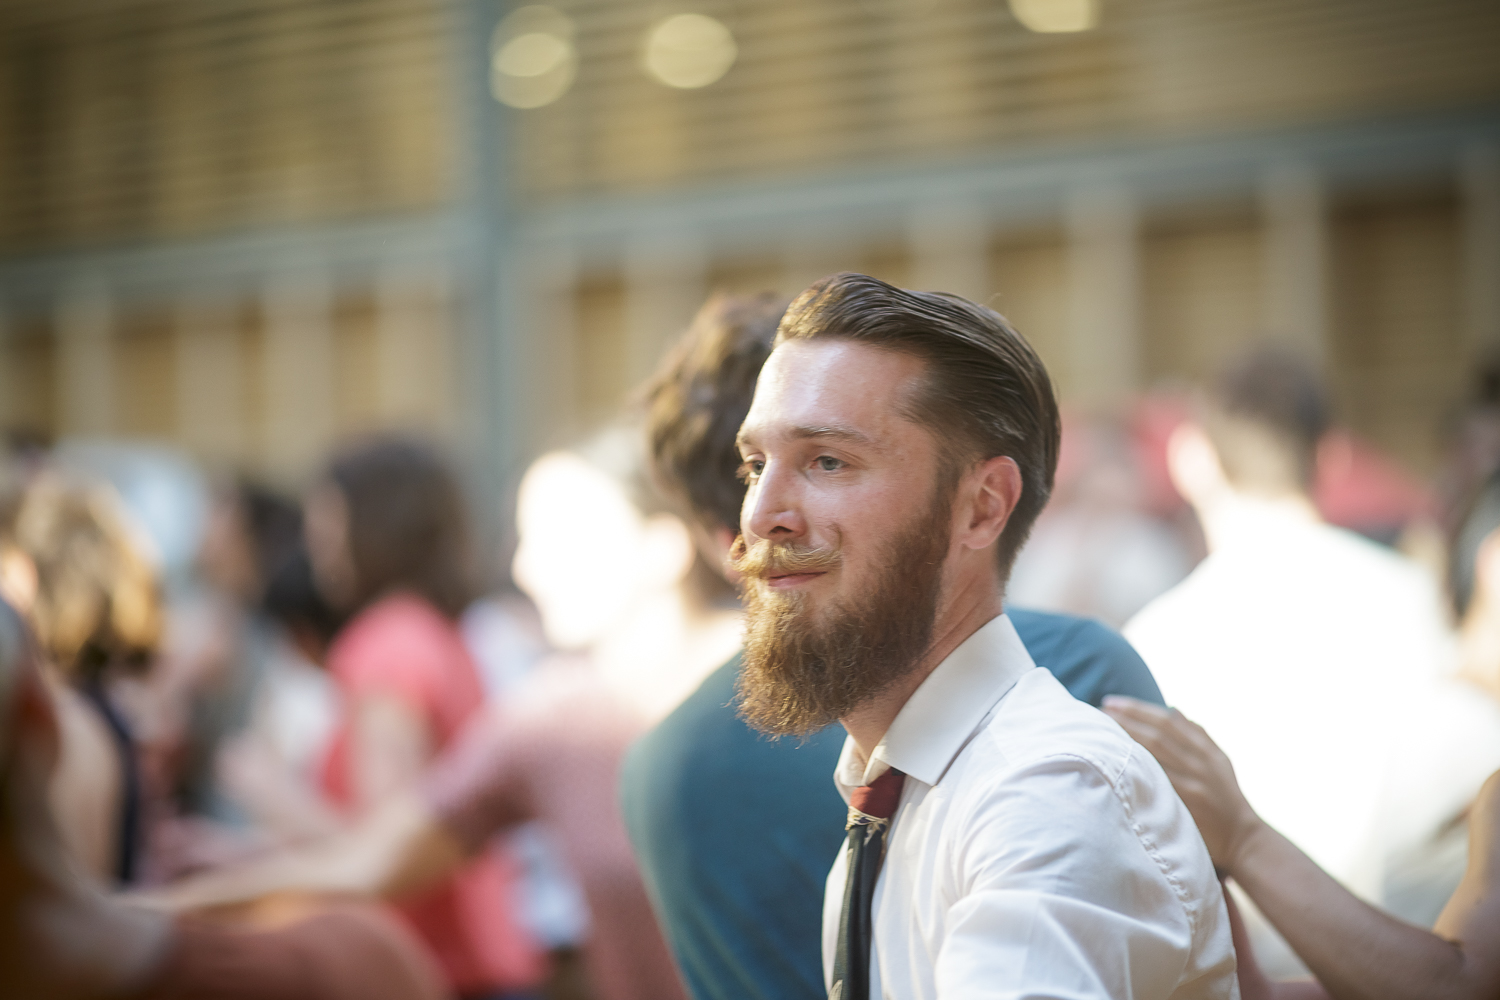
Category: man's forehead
[831,388]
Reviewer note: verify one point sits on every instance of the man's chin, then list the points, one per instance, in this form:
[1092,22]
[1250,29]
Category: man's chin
[770,713]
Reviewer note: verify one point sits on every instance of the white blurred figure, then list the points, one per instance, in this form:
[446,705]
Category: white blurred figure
[1095,551]
[647,614]
[1298,645]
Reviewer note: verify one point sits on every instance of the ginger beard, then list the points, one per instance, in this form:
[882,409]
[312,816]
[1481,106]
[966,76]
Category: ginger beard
[805,668]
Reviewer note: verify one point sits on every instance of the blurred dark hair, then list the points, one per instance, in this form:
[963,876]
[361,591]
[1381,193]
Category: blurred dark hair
[273,524]
[697,400]
[986,392]
[1265,414]
[407,524]
[292,600]
[1482,519]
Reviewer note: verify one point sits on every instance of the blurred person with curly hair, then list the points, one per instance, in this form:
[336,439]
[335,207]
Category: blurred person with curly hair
[65,938]
[74,566]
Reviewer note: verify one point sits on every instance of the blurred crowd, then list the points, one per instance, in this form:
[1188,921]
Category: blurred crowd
[263,698]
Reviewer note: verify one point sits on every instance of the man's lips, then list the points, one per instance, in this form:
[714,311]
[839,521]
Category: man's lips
[783,581]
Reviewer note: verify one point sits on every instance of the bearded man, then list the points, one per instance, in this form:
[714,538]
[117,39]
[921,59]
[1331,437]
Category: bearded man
[1004,840]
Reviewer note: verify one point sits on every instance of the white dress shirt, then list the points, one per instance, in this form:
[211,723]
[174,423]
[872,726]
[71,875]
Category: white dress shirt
[1037,852]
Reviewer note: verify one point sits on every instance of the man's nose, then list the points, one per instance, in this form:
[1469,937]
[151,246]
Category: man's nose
[772,507]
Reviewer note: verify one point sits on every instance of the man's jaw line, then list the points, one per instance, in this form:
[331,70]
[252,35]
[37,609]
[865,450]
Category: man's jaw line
[970,610]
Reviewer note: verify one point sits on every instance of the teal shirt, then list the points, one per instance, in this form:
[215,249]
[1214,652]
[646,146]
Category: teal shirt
[735,832]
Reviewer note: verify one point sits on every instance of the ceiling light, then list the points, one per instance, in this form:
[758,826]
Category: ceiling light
[532,59]
[1050,16]
[689,51]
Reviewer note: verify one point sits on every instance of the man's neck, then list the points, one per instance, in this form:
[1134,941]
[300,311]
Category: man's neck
[972,607]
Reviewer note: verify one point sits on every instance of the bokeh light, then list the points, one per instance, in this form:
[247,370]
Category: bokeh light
[689,51]
[1053,16]
[533,61]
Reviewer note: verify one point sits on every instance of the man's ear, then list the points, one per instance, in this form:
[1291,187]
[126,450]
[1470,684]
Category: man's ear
[989,494]
[667,550]
[1193,465]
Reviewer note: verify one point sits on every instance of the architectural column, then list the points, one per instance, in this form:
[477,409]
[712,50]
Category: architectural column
[1104,350]
[950,249]
[413,349]
[665,284]
[298,371]
[1294,207]
[86,360]
[1480,208]
[551,317]
[8,388]
[210,376]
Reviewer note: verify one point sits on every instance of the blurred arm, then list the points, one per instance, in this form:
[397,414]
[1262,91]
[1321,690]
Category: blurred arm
[63,936]
[1354,949]
[277,796]
[390,747]
[398,849]
[396,846]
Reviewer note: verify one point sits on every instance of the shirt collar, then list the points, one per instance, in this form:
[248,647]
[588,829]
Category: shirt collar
[941,715]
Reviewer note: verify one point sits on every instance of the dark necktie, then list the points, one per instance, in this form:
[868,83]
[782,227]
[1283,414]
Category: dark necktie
[870,809]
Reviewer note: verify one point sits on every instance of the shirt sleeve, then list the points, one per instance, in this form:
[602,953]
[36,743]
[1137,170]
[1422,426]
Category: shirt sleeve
[478,787]
[1073,893]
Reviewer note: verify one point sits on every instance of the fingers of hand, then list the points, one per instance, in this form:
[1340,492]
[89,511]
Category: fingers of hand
[1119,706]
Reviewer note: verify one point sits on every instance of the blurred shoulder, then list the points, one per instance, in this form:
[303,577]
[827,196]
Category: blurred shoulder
[401,619]
[1088,657]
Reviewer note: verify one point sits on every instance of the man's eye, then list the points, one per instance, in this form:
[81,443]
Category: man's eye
[829,464]
[750,471]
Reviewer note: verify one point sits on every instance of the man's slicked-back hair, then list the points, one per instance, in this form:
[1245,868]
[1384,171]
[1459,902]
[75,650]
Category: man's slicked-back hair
[986,392]
[697,401]
[1265,413]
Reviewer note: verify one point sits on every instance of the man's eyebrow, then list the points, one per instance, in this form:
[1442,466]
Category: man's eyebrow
[803,432]
[834,432]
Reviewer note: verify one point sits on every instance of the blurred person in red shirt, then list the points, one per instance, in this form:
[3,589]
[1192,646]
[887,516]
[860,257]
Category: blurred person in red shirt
[386,533]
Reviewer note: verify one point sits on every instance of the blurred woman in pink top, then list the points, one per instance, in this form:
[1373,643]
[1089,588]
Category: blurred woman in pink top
[386,535]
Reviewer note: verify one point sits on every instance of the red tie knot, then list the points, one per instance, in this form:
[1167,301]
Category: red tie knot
[880,797]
